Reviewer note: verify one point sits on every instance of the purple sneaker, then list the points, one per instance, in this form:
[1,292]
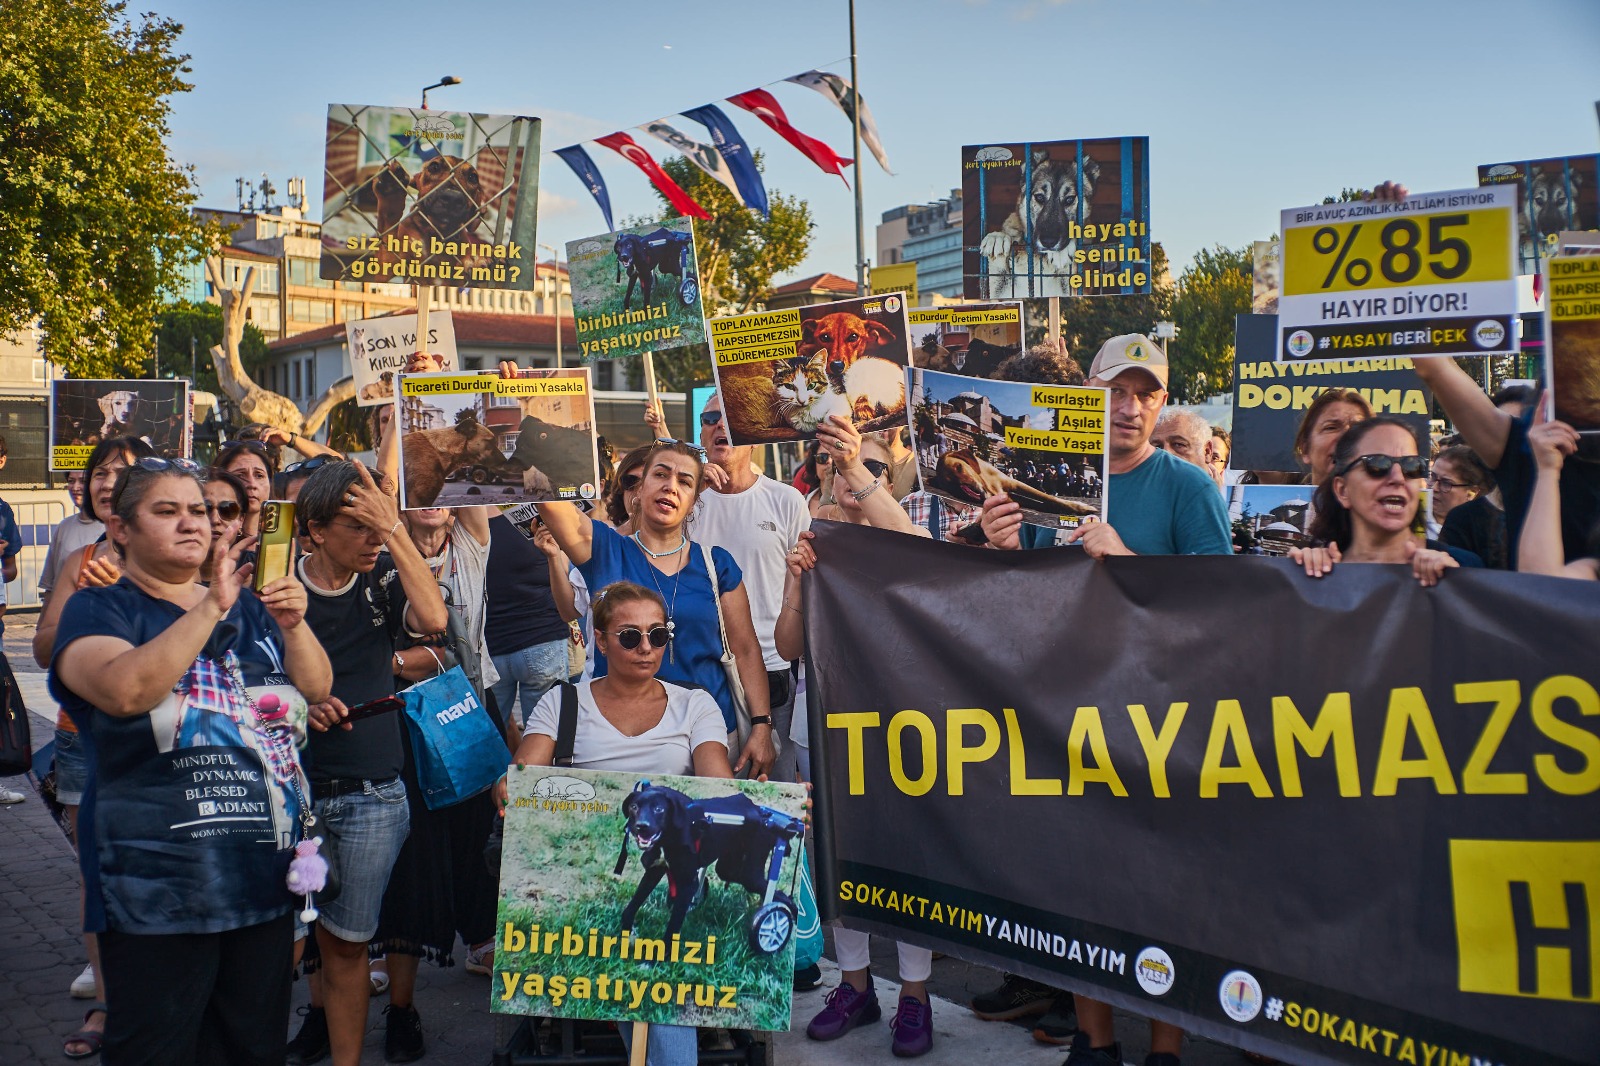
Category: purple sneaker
[843,1010]
[913,1028]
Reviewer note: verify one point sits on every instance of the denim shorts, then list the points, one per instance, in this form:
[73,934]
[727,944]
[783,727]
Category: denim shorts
[529,673]
[370,827]
[72,768]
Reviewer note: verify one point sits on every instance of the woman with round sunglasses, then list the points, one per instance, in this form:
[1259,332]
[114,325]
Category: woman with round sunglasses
[251,463]
[1366,509]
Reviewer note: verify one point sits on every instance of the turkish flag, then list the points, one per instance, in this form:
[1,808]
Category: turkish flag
[765,107]
[681,201]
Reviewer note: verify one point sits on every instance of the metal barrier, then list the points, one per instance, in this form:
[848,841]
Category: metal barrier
[37,520]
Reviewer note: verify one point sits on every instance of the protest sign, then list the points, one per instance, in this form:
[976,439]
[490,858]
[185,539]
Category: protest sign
[1552,195]
[1056,218]
[431,197]
[471,440]
[1042,445]
[524,518]
[897,277]
[970,339]
[1266,278]
[1269,519]
[1432,275]
[84,412]
[380,348]
[636,290]
[782,373]
[1383,851]
[1270,398]
[586,932]
[1572,322]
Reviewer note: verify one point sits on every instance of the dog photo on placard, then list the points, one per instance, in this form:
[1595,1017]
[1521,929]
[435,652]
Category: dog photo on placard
[1056,218]
[636,290]
[1553,196]
[436,197]
[84,412]
[971,339]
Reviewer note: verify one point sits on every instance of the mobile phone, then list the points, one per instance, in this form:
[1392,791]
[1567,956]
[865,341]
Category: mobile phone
[372,708]
[972,534]
[275,548]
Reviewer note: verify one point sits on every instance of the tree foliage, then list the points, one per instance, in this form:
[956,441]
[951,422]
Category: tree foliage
[94,217]
[178,324]
[1214,288]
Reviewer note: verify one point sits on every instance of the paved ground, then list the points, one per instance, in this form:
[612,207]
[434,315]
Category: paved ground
[40,954]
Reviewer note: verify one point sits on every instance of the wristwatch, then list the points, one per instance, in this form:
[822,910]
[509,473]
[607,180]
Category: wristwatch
[760,719]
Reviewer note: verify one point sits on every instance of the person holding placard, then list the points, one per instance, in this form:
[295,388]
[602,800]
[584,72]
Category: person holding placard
[1542,552]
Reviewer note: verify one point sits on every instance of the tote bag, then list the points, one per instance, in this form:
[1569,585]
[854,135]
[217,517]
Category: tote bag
[459,750]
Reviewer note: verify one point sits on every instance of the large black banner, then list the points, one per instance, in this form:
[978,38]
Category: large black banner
[1347,820]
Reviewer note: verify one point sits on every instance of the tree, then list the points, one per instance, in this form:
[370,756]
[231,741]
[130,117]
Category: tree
[94,216]
[186,330]
[1214,288]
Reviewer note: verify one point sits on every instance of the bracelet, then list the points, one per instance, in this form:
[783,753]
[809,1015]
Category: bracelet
[868,491]
[392,528]
[399,664]
[760,719]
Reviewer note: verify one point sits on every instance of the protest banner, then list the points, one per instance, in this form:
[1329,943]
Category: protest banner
[471,440]
[1367,840]
[1270,398]
[86,411]
[1432,275]
[586,932]
[1572,367]
[1552,195]
[897,277]
[970,339]
[429,197]
[1042,445]
[1266,277]
[782,373]
[636,290]
[380,348]
[1056,218]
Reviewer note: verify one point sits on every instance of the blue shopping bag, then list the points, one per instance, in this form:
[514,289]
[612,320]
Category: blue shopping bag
[459,749]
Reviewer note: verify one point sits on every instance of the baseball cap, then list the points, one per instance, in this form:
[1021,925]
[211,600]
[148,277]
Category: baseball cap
[1131,350]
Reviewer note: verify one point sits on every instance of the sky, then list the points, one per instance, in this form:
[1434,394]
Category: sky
[1251,107]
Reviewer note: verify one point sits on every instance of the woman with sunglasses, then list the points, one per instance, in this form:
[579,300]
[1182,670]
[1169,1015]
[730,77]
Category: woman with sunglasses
[632,721]
[226,500]
[251,463]
[186,873]
[619,495]
[1366,509]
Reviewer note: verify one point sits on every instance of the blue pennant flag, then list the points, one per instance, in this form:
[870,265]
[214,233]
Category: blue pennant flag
[576,158]
[735,152]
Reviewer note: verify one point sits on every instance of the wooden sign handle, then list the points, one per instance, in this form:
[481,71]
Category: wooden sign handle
[641,1031]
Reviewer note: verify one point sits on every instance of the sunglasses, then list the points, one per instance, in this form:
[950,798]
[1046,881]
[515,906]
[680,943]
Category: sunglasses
[630,482]
[155,464]
[823,458]
[254,445]
[631,637]
[701,452]
[710,418]
[1378,466]
[227,510]
[304,466]
[875,467]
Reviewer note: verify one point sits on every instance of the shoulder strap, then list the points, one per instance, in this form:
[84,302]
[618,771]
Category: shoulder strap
[567,726]
[935,508]
[716,598]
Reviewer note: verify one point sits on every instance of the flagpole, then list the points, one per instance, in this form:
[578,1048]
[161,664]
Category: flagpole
[855,152]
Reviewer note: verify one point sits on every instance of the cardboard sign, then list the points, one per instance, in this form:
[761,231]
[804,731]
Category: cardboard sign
[1042,445]
[1056,218]
[1266,277]
[970,339]
[471,440]
[782,373]
[1552,195]
[590,928]
[896,277]
[636,290]
[1269,519]
[431,197]
[1432,275]
[84,412]
[1572,322]
[1270,397]
[380,348]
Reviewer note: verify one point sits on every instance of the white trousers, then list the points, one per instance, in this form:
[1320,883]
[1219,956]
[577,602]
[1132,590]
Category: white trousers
[854,952]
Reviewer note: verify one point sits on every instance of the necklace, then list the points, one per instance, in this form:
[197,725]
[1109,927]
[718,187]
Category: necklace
[683,538]
[672,605]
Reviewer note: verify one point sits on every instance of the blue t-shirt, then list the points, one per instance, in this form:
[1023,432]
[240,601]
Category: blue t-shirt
[189,816]
[694,656]
[13,538]
[1163,506]
[1580,492]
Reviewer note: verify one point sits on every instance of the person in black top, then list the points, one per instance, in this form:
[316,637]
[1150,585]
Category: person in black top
[526,637]
[1466,505]
[361,600]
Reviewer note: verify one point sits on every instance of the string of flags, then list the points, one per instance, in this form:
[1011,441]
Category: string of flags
[726,158]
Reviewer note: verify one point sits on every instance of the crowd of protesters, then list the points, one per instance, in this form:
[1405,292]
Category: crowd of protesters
[156,642]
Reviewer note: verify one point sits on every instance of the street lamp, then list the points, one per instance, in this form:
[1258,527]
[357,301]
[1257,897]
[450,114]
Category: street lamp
[555,283]
[446,80]
[1163,332]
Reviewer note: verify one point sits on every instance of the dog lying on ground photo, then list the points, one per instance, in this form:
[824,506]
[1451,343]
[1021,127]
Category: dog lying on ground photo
[450,206]
[1044,210]
[967,477]
[430,455]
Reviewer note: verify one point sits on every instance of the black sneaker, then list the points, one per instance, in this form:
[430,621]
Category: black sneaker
[1167,1058]
[1084,1055]
[310,1044]
[1059,1024]
[1017,997]
[807,977]
[402,1040]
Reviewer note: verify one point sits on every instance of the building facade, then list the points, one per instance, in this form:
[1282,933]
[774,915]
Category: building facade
[930,236]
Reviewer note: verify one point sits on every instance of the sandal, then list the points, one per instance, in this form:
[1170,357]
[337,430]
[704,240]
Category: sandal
[92,1038]
[378,973]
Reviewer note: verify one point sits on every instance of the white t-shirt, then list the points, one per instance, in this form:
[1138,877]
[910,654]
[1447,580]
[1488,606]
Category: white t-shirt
[461,571]
[757,527]
[692,718]
[70,534]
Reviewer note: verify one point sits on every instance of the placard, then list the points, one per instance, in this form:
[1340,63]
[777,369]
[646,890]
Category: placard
[1572,322]
[636,290]
[974,339]
[1552,195]
[1432,275]
[380,348]
[896,277]
[86,411]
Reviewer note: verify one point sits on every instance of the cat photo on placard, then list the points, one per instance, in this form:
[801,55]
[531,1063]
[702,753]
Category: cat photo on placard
[781,374]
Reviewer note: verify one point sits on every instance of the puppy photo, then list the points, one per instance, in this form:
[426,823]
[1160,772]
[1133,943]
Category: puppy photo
[84,412]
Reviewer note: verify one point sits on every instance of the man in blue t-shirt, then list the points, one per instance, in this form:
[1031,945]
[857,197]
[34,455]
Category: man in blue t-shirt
[1157,504]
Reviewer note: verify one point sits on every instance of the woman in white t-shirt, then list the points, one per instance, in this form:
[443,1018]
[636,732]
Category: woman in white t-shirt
[633,722]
